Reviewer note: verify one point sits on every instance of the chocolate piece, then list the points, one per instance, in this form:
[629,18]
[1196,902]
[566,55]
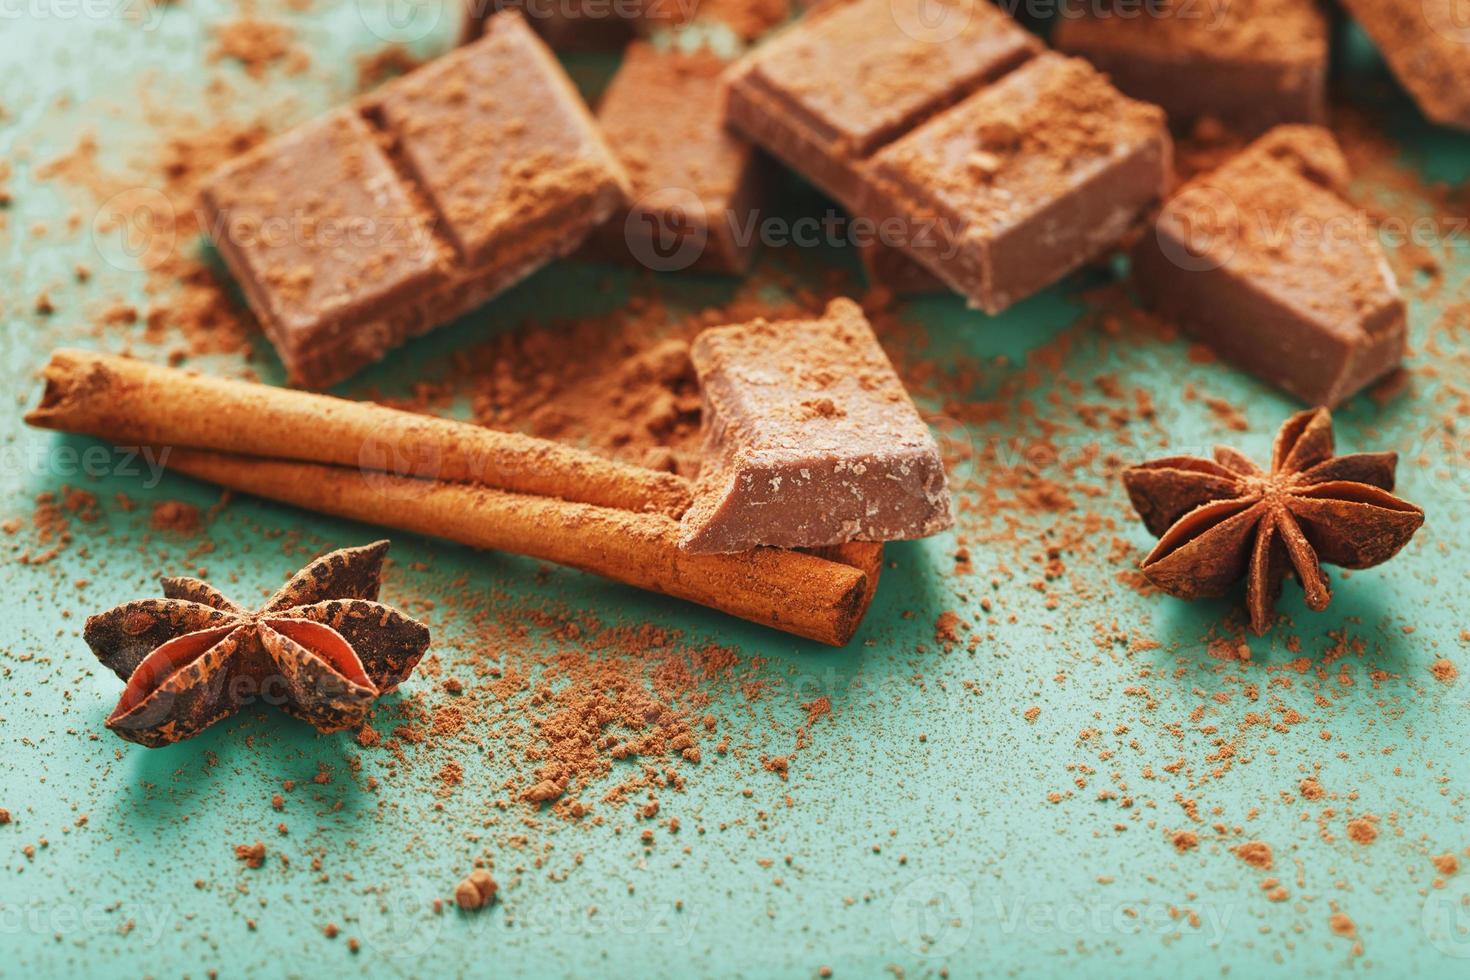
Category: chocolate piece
[810,440]
[695,185]
[1427,44]
[1266,262]
[1249,63]
[852,76]
[1024,181]
[1002,191]
[354,232]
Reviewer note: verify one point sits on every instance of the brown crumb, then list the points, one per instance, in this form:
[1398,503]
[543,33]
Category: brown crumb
[252,855]
[476,891]
[1256,853]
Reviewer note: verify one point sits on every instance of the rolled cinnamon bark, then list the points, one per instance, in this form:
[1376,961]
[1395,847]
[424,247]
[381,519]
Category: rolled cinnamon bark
[137,403]
[793,591]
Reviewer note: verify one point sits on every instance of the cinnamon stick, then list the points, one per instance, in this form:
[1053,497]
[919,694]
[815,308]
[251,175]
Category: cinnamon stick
[136,403]
[793,591]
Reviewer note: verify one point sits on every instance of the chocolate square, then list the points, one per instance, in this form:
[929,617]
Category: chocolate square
[1024,181]
[695,185]
[502,146]
[851,76]
[1248,63]
[1264,261]
[483,166]
[810,440]
[323,237]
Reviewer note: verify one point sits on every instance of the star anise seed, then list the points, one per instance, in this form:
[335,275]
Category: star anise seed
[1221,519]
[322,648]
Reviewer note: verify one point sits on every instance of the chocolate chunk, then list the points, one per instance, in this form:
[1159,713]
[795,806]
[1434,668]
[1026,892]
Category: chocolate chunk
[352,233]
[325,241]
[1024,181]
[1266,262]
[1427,44]
[1003,186]
[852,76]
[501,145]
[810,440]
[1249,63]
[695,185]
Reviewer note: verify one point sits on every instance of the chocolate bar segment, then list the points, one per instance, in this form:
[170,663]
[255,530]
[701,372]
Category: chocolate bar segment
[394,216]
[852,76]
[1248,63]
[695,185]
[324,239]
[502,146]
[1024,181]
[1427,45]
[1264,261]
[810,440]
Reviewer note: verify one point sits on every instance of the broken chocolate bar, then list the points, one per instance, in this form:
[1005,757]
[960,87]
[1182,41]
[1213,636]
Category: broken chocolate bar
[1427,45]
[1023,181]
[851,76]
[1249,63]
[695,184]
[1267,263]
[810,440]
[356,231]
[1003,186]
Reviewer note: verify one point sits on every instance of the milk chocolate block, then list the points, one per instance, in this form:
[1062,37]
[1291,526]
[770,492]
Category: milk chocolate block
[1266,262]
[354,232]
[1024,181]
[810,440]
[1427,45]
[852,76]
[695,185]
[1248,63]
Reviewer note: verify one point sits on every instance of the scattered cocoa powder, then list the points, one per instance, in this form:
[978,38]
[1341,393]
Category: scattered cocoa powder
[251,855]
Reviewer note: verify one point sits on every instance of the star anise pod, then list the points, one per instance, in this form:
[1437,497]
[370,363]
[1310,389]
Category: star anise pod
[1221,519]
[322,648]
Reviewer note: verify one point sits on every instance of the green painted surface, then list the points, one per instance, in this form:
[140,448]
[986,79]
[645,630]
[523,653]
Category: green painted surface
[944,852]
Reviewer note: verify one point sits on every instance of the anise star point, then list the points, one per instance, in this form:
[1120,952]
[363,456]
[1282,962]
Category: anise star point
[322,648]
[1222,519]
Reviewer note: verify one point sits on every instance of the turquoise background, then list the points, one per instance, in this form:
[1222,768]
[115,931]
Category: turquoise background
[921,835]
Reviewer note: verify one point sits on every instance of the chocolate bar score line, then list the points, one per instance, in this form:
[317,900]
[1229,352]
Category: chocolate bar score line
[384,219]
[475,486]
